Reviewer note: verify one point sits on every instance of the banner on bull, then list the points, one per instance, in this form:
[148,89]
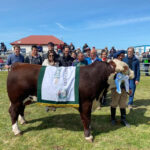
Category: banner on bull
[58,86]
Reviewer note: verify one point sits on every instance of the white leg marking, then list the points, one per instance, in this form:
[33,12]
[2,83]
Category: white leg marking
[15,128]
[21,119]
[89,138]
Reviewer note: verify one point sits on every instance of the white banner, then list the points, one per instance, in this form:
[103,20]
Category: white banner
[58,84]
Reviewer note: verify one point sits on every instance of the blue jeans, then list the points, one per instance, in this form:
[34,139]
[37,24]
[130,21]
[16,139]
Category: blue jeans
[132,86]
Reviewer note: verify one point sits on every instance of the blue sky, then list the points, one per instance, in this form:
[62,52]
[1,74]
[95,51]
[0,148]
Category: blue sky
[100,23]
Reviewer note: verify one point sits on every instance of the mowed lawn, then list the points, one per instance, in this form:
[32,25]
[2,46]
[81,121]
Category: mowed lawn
[63,130]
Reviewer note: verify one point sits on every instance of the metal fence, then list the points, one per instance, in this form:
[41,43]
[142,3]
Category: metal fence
[144,67]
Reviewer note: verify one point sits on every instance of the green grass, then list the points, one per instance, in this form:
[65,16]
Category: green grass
[62,130]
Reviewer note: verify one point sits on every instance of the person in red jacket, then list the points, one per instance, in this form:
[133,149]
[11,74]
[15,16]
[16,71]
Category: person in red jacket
[104,55]
[1,63]
[1,60]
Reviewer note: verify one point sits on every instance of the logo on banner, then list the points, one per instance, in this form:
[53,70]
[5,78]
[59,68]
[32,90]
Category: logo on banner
[57,75]
[62,94]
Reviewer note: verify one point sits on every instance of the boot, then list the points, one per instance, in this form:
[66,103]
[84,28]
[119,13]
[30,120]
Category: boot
[113,116]
[123,117]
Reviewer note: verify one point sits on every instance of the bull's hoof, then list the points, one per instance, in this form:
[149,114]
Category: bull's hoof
[23,123]
[89,138]
[22,120]
[19,134]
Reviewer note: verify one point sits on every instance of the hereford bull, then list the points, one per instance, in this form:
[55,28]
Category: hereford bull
[22,82]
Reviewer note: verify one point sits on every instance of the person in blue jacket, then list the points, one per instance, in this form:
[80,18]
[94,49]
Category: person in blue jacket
[15,57]
[134,65]
[93,57]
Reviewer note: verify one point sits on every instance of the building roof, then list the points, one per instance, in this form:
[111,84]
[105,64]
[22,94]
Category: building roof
[37,40]
[142,46]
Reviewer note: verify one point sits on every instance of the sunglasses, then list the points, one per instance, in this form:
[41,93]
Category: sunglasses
[51,55]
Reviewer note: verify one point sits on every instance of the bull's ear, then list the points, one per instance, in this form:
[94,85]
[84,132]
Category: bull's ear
[112,64]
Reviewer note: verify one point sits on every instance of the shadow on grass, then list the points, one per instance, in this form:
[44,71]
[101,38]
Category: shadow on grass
[100,123]
[137,117]
[142,102]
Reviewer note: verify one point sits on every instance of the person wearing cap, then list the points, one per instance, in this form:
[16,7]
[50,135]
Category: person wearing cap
[119,99]
[134,65]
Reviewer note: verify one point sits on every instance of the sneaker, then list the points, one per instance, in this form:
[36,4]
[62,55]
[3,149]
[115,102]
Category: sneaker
[130,107]
[98,108]
[133,106]
[125,123]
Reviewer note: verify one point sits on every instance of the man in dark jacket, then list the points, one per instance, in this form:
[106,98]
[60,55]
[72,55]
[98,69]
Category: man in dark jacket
[134,65]
[3,48]
[71,46]
[80,61]
[34,58]
[84,47]
[112,52]
[66,59]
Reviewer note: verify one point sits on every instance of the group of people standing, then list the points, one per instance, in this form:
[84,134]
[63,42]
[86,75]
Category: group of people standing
[52,58]
[67,58]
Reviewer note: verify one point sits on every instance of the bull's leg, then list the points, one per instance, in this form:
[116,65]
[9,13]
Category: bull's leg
[21,115]
[14,112]
[85,113]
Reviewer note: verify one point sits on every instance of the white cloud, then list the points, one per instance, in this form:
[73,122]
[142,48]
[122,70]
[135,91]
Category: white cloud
[62,27]
[100,24]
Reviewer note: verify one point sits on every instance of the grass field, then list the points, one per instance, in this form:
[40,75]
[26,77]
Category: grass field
[62,130]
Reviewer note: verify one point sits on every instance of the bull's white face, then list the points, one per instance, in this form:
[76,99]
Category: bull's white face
[121,66]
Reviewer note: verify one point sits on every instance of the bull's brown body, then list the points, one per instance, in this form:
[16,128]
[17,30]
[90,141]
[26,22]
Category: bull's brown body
[22,82]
